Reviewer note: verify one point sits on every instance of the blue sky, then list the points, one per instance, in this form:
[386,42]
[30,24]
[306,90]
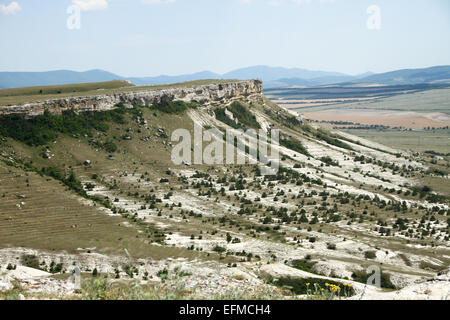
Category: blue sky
[152,37]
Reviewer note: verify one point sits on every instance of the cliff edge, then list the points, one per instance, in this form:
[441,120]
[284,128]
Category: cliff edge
[213,94]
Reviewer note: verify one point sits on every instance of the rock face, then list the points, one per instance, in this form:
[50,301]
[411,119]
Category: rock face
[209,94]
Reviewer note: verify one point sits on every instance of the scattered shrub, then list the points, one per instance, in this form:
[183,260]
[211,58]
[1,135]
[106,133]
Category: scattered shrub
[370,254]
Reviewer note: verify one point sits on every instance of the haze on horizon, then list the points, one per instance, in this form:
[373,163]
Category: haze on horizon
[153,37]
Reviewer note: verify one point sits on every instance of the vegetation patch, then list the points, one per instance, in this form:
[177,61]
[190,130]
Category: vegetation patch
[313,286]
[174,107]
[331,139]
[329,161]
[370,255]
[304,265]
[245,118]
[361,276]
[30,261]
[73,184]
[294,145]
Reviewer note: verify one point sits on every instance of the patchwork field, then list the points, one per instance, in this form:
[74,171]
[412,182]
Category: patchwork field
[424,101]
[393,119]
[419,141]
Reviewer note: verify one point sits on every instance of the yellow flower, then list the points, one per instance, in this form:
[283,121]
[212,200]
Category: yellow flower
[308,284]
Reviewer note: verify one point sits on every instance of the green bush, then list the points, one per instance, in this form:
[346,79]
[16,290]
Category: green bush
[219,249]
[10,267]
[329,161]
[307,286]
[55,267]
[221,116]
[331,246]
[109,146]
[174,107]
[361,276]
[294,145]
[304,265]
[245,118]
[30,261]
[331,139]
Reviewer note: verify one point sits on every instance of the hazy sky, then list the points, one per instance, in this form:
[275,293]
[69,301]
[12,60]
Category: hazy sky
[152,37]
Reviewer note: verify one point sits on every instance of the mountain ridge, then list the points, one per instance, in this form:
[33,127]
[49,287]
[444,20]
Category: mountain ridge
[271,76]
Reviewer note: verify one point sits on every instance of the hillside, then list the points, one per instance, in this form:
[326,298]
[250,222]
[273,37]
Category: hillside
[92,184]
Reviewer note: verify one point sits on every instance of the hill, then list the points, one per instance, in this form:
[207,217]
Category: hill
[100,190]
[268,74]
[437,75]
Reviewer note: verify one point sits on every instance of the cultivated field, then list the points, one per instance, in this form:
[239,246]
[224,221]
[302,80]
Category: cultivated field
[419,141]
[104,195]
[428,101]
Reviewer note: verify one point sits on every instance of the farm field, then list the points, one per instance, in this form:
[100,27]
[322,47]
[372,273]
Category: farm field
[415,120]
[400,120]
[423,101]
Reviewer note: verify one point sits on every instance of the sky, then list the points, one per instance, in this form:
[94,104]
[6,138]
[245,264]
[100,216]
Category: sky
[153,37]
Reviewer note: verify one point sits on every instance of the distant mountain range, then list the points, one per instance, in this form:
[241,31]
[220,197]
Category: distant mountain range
[31,79]
[439,74]
[271,76]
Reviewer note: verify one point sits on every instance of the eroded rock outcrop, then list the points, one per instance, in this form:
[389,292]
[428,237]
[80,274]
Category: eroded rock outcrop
[210,94]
